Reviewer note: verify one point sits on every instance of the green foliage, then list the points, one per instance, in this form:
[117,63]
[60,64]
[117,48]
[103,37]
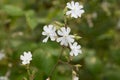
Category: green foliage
[13,10]
[21,25]
[32,21]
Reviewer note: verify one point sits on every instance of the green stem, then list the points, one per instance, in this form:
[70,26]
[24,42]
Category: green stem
[28,70]
[53,69]
[29,73]
[65,20]
[67,63]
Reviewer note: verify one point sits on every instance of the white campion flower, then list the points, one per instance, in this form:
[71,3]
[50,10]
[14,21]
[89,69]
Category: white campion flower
[75,78]
[75,9]
[26,57]
[3,78]
[75,49]
[2,55]
[65,37]
[49,31]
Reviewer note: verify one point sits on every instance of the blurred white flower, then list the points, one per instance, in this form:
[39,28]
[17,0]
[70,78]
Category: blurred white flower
[65,39]
[2,55]
[48,79]
[75,49]
[75,9]
[49,31]
[75,78]
[26,57]
[3,78]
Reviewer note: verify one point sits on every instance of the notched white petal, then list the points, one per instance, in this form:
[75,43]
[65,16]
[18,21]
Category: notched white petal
[45,40]
[49,32]
[75,9]
[64,37]
[75,49]
[26,58]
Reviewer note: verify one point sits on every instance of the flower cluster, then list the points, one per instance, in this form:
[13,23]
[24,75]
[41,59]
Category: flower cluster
[63,35]
[64,38]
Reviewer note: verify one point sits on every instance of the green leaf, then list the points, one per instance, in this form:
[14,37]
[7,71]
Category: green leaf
[31,19]
[13,10]
[112,74]
[93,64]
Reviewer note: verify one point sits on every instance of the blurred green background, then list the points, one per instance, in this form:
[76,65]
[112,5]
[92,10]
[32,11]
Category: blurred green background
[21,24]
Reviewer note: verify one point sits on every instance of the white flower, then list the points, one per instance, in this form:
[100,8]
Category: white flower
[75,78]
[75,49]
[49,31]
[2,55]
[3,78]
[75,9]
[26,57]
[65,39]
